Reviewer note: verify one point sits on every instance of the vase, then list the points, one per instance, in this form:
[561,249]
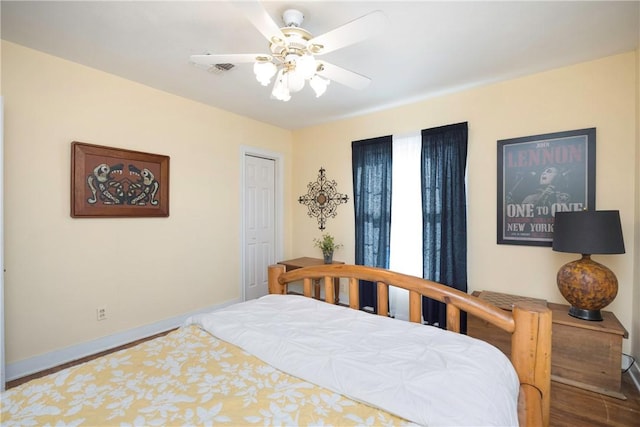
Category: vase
[328,258]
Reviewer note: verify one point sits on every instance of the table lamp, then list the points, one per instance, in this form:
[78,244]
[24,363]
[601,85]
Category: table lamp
[587,285]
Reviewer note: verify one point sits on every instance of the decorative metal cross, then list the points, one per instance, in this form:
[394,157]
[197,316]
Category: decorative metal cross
[322,199]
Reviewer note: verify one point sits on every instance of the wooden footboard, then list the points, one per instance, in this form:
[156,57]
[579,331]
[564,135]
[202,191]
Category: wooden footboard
[529,323]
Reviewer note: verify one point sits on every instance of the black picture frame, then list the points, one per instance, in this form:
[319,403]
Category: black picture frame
[539,175]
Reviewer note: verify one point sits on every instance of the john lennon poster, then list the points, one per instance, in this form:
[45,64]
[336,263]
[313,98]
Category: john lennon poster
[540,175]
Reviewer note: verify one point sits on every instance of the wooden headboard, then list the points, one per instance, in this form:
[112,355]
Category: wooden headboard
[529,323]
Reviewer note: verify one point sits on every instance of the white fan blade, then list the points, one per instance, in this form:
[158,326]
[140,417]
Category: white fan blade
[342,75]
[352,32]
[232,58]
[256,13]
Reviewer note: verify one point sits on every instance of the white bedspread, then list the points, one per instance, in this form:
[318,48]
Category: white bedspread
[423,374]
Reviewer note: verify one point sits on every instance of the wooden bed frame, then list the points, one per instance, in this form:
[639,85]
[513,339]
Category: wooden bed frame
[528,322]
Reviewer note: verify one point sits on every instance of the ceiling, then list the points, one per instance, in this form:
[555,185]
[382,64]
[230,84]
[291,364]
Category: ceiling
[426,49]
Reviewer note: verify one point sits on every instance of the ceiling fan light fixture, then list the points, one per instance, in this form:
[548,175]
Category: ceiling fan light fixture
[280,87]
[319,85]
[295,80]
[264,70]
[293,51]
[306,66]
[292,76]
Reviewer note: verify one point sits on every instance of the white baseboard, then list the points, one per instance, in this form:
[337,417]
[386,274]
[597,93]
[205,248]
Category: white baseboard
[634,372]
[55,358]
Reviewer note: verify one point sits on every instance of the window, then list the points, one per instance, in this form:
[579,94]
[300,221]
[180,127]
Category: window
[404,184]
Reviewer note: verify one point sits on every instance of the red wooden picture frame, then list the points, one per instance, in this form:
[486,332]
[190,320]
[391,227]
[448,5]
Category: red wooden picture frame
[114,182]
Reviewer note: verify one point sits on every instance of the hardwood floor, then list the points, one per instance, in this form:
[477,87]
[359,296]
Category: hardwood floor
[570,406]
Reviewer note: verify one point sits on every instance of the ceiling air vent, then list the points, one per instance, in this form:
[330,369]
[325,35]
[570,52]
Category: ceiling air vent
[220,68]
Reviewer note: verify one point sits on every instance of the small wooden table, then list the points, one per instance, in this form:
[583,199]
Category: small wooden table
[292,264]
[585,354]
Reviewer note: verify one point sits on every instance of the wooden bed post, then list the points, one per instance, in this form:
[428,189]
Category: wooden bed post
[531,350]
[275,271]
[383,299]
[415,307]
[329,290]
[354,293]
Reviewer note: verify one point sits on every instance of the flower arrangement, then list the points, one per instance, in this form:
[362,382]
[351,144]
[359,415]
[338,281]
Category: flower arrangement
[327,245]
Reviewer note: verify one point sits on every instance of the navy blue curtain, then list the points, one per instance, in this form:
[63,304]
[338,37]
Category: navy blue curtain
[444,213]
[371,161]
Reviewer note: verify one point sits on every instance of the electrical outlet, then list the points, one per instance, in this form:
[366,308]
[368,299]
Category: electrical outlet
[101,313]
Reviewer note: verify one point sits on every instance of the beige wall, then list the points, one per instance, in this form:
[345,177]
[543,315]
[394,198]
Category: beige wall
[599,94]
[59,269]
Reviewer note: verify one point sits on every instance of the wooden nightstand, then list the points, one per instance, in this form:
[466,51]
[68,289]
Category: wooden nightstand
[584,354]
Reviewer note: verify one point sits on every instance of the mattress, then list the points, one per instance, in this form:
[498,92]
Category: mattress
[420,373]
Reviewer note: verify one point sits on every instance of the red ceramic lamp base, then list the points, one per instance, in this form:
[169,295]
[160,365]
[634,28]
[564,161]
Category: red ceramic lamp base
[588,286]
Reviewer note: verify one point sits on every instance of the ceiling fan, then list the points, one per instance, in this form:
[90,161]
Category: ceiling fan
[293,50]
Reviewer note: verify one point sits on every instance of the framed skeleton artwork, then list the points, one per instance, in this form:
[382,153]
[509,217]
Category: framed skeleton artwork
[114,182]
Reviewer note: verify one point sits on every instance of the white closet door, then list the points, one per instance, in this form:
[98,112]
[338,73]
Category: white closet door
[260,225]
